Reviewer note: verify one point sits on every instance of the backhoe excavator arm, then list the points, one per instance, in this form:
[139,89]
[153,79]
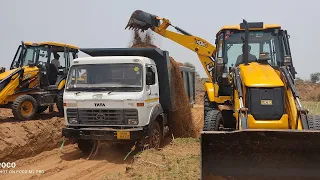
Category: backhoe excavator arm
[205,50]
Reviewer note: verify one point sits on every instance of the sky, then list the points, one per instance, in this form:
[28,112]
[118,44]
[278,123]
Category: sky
[100,23]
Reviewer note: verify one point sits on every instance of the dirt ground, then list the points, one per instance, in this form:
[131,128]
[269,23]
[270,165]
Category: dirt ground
[28,138]
[35,148]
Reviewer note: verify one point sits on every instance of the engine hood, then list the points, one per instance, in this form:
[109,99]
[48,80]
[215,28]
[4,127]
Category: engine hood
[259,75]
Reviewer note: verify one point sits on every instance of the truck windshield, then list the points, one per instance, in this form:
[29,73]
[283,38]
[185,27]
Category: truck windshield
[113,77]
[259,41]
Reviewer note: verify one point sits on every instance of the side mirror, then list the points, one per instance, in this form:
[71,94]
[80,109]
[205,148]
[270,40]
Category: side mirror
[150,78]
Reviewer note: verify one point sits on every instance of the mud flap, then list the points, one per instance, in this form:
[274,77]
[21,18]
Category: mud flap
[260,154]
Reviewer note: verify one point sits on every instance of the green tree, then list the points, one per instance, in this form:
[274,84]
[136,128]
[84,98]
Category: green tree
[314,77]
[188,64]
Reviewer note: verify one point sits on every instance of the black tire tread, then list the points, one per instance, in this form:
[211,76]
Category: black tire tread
[314,121]
[156,125]
[16,106]
[59,102]
[212,120]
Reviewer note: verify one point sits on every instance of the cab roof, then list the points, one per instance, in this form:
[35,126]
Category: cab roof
[51,44]
[252,26]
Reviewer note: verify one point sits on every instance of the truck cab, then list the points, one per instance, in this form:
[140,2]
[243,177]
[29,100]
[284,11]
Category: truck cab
[111,91]
[120,95]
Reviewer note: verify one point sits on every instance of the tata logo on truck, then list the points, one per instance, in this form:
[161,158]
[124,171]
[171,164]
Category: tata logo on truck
[99,105]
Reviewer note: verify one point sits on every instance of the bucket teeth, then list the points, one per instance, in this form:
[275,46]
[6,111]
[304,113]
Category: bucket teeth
[142,21]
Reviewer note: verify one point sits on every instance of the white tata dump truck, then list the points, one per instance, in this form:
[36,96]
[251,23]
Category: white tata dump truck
[122,95]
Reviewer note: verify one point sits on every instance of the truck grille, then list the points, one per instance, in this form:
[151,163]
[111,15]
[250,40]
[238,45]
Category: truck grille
[103,116]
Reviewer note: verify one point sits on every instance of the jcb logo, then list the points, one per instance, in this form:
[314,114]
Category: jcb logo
[99,105]
[201,43]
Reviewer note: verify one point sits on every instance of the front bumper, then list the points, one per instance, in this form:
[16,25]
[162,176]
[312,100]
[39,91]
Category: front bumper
[111,134]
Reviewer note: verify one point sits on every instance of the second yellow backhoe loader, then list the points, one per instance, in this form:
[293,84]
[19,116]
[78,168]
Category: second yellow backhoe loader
[254,123]
[36,78]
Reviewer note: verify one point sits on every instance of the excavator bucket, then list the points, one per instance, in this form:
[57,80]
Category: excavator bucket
[141,20]
[260,154]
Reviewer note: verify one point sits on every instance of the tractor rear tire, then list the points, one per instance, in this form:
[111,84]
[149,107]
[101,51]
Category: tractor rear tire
[314,122]
[24,107]
[212,120]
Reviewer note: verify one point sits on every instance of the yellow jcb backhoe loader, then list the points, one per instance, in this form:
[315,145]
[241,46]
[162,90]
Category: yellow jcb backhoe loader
[254,123]
[33,81]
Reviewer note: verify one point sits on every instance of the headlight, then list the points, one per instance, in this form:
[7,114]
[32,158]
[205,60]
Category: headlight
[73,120]
[132,121]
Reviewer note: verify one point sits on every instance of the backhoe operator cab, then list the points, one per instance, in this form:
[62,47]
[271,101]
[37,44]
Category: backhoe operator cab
[33,81]
[269,44]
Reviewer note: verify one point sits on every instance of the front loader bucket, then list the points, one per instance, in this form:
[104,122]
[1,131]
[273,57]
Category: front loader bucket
[142,21]
[260,154]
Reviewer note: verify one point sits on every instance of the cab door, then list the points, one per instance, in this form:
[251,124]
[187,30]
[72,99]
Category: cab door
[152,87]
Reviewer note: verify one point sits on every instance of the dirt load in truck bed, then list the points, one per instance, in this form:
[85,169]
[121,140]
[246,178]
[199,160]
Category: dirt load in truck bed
[183,125]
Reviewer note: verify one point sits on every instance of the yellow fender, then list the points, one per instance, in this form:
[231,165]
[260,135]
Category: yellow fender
[212,90]
[61,84]
[209,88]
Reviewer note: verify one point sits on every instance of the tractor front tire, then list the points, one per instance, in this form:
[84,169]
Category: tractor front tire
[314,121]
[24,107]
[212,120]
[59,102]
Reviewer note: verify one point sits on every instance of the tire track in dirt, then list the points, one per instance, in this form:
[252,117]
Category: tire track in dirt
[71,163]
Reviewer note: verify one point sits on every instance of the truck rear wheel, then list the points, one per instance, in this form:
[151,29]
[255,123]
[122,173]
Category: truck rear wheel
[85,145]
[24,107]
[156,136]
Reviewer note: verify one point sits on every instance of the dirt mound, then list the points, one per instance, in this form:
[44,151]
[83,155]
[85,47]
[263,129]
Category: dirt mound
[28,138]
[182,124]
[308,91]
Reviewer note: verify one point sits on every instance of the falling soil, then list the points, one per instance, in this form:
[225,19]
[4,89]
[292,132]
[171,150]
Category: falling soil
[181,121]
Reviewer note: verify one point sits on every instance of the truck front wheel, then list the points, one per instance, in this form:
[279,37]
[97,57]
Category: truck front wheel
[85,145]
[156,136]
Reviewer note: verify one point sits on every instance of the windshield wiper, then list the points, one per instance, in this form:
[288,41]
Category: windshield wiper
[117,87]
[122,86]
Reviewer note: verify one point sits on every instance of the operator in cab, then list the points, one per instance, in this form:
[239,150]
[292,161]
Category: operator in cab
[56,61]
[251,57]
